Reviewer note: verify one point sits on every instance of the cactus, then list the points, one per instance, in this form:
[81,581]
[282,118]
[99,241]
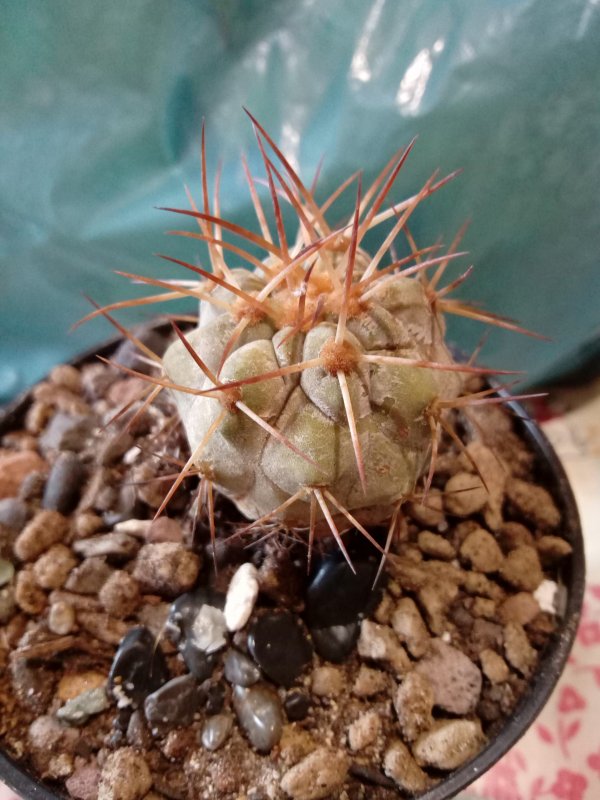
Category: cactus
[316,384]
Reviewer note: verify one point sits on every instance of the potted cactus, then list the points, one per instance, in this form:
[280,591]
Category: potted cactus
[409,547]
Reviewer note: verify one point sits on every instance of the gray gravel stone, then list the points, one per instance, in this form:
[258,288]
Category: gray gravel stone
[259,712]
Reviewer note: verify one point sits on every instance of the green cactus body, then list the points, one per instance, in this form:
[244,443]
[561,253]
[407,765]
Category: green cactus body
[389,402]
[314,388]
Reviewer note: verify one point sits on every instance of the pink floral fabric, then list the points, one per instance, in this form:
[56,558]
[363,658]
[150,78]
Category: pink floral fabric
[559,757]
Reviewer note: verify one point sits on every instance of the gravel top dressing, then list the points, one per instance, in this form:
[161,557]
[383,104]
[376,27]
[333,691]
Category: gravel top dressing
[140,661]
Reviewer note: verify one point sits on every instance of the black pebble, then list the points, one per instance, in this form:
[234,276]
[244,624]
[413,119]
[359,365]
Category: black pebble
[175,703]
[215,698]
[198,662]
[280,647]
[297,706]
[185,609]
[371,775]
[336,596]
[138,668]
[63,487]
[336,642]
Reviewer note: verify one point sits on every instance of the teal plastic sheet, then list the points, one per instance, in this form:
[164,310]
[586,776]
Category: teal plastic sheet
[100,112]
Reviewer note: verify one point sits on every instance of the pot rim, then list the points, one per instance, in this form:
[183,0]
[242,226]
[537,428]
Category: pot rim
[29,787]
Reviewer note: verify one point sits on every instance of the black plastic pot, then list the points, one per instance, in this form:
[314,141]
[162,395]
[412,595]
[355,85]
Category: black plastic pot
[549,472]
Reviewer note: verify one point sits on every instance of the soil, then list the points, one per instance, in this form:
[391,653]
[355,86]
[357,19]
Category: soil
[139,660]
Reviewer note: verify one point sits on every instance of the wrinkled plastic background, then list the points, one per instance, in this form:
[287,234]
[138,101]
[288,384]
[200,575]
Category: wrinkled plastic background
[100,108]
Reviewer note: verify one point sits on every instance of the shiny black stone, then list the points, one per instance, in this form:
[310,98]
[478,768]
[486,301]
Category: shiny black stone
[371,775]
[199,663]
[336,642]
[175,703]
[297,706]
[336,596]
[280,647]
[138,668]
[215,698]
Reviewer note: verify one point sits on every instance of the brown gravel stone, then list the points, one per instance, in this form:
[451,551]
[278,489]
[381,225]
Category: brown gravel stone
[464,494]
[432,544]
[494,666]
[86,524]
[436,599]
[413,701]
[449,744]
[533,502]
[52,567]
[370,682]
[317,776]
[125,776]
[519,653]
[28,595]
[482,551]
[383,612]
[553,549]
[364,731]
[494,474]
[164,529]
[167,569]
[380,643]
[45,529]
[120,594]
[403,769]
[15,467]
[408,624]
[67,376]
[522,569]
[83,783]
[327,681]
[454,678]
[431,514]
[102,626]
[61,618]
[521,608]
[89,576]
[45,737]
[514,534]
[476,583]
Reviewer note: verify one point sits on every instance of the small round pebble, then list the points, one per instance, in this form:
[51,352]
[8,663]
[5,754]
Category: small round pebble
[432,544]
[399,765]
[522,568]
[166,568]
[327,681]
[454,678]
[52,567]
[364,731]
[63,486]
[125,776]
[297,706]
[138,668]
[494,666]
[413,702]
[61,618]
[449,744]
[28,595]
[241,596]
[216,731]
[259,712]
[280,647]
[120,594]
[44,530]
[464,494]
[174,703]
[240,670]
[317,776]
[482,551]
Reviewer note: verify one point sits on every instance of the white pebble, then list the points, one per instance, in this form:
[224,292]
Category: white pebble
[241,596]
[134,527]
[208,630]
[545,594]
